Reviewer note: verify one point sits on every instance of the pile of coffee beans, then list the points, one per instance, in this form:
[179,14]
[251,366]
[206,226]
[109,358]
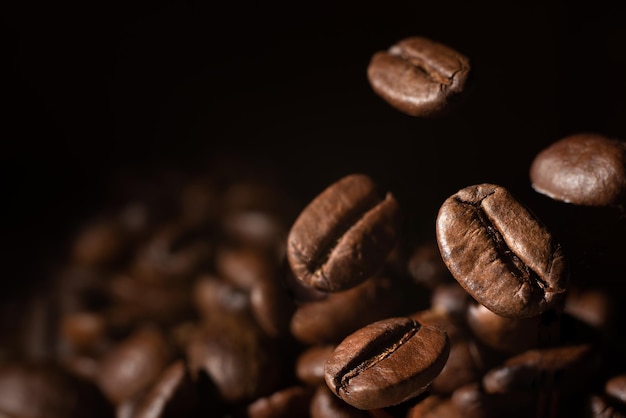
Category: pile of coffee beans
[216,293]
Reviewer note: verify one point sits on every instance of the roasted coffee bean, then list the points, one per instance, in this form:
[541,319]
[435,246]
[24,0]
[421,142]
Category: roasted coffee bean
[509,335]
[99,243]
[290,402]
[418,76]
[426,267]
[332,319]
[387,362]
[310,364]
[83,331]
[452,299]
[474,402]
[132,365]
[172,395]
[615,387]
[566,368]
[325,404]
[501,254]
[599,406]
[584,169]
[240,360]
[214,297]
[48,391]
[344,235]
[594,306]
[435,407]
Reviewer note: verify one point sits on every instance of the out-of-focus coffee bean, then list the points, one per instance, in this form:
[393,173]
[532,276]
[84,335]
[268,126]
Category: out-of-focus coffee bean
[326,404]
[452,299]
[262,231]
[509,335]
[387,362]
[47,391]
[599,406]
[332,319]
[501,254]
[213,296]
[172,253]
[133,364]
[418,76]
[584,169]
[289,402]
[426,266]
[199,203]
[615,387]
[83,331]
[238,358]
[99,243]
[172,395]
[272,307]
[435,407]
[594,306]
[310,364]
[566,368]
[473,402]
[343,236]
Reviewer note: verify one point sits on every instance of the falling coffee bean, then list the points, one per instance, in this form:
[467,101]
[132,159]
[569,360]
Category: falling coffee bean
[501,253]
[418,76]
[344,235]
[387,362]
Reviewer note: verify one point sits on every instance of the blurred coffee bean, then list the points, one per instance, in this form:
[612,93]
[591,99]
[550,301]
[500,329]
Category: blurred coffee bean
[594,306]
[48,391]
[213,296]
[332,319]
[172,395]
[426,266]
[82,332]
[241,361]
[132,365]
[344,235]
[289,402]
[435,407]
[452,299]
[615,387]
[474,402]
[310,364]
[599,406]
[326,404]
[99,243]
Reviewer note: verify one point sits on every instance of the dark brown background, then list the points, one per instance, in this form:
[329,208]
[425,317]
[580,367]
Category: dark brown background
[98,88]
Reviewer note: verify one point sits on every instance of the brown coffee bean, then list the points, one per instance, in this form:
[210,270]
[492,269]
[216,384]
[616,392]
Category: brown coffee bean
[131,366]
[584,169]
[566,368]
[501,254]
[615,387]
[452,299]
[310,364]
[83,331]
[387,362]
[418,76]
[509,335]
[332,319]
[473,402]
[172,395]
[599,406]
[48,391]
[426,267]
[434,407]
[290,402]
[99,243]
[344,235]
[240,360]
[325,404]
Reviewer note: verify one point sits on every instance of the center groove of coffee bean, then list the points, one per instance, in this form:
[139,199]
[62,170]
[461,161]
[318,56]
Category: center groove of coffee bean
[422,66]
[373,353]
[319,260]
[516,266]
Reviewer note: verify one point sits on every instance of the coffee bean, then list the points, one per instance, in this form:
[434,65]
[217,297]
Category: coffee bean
[32,390]
[474,402]
[132,365]
[565,368]
[332,319]
[310,364]
[386,362]
[325,404]
[418,76]
[615,387]
[500,252]
[289,402]
[584,169]
[599,406]
[172,395]
[344,235]
[434,407]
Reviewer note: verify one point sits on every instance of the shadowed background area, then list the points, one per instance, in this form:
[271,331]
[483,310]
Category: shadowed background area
[98,90]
